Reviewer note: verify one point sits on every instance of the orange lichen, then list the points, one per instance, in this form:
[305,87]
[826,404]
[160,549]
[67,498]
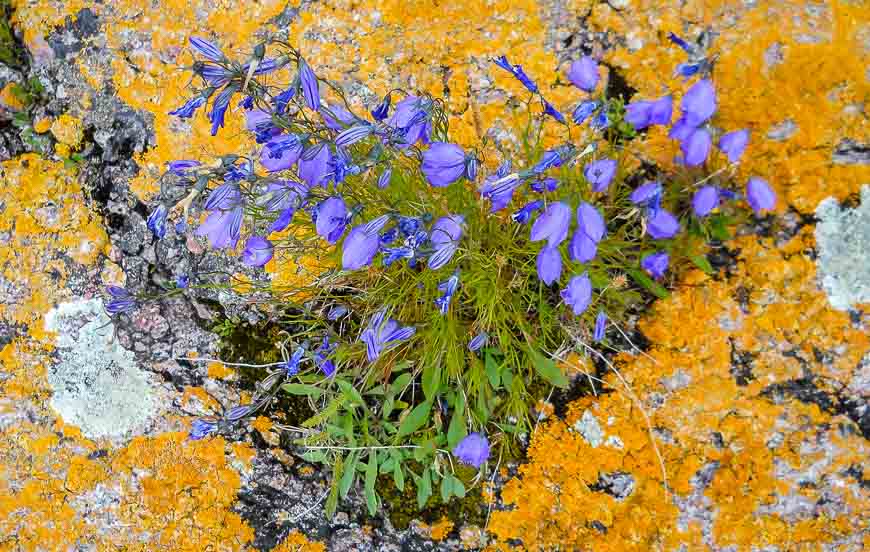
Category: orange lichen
[219,370]
[439,530]
[296,542]
[68,130]
[686,385]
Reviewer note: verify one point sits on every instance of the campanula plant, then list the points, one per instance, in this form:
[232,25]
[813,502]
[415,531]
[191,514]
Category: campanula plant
[452,279]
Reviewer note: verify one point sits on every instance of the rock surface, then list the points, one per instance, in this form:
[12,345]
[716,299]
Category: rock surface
[743,425]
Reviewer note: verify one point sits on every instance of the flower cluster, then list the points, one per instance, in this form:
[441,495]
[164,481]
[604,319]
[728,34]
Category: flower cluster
[418,229]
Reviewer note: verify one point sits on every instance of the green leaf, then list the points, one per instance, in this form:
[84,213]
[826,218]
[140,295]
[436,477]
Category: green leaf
[431,380]
[458,488]
[314,456]
[457,430]
[400,383]
[548,370]
[398,474]
[349,474]
[387,408]
[491,368]
[702,263]
[371,479]
[332,499]
[424,489]
[645,281]
[446,488]
[302,389]
[350,392]
[415,419]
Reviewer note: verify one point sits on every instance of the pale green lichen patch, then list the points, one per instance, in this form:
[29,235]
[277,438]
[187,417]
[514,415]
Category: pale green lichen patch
[96,383]
[843,240]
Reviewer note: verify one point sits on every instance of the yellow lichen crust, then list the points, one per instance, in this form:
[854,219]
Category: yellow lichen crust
[758,446]
[296,542]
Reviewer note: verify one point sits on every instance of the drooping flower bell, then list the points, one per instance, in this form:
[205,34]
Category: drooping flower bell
[223,228]
[448,287]
[444,237]
[383,333]
[699,102]
[600,326]
[478,341]
[518,73]
[696,147]
[583,73]
[705,200]
[578,293]
[662,225]
[524,214]
[380,111]
[121,300]
[201,428]
[733,144]
[281,152]
[549,264]
[362,244]
[760,195]
[552,224]
[412,121]
[473,450]
[314,164]
[645,113]
[331,218]
[310,85]
[157,221]
[499,187]
[258,251]
[655,264]
[444,164]
[600,173]
[584,110]
[590,230]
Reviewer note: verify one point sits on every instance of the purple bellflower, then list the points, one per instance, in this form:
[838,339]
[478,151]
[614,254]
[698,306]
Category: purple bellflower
[760,195]
[444,237]
[600,327]
[662,225]
[384,178]
[647,195]
[578,293]
[524,214]
[223,228]
[260,123]
[412,119]
[550,110]
[181,166]
[219,108]
[443,164]
[473,450]
[549,264]
[499,187]
[699,102]
[733,144]
[354,134]
[182,282]
[380,111]
[546,184]
[258,251]
[552,224]
[590,231]
[645,113]
[281,153]
[331,219]
[314,164]
[696,147]
[705,200]
[583,73]
[600,173]
[518,73]
[362,244]
[157,221]
[188,109]
[201,428]
[382,333]
[655,264]
[321,357]
[310,86]
[478,341]
[337,117]
[448,287]
[584,110]
[206,49]
[121,300]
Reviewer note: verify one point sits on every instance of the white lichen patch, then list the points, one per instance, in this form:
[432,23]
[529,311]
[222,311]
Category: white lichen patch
[96,383]
[843,242]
